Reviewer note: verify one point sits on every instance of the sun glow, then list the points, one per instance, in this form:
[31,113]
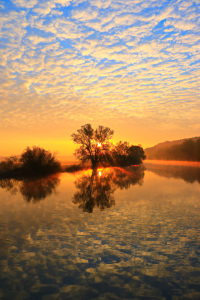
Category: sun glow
[99,144]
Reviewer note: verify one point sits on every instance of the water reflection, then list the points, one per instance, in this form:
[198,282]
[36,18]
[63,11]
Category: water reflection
[144,247]
[32,190]
[188,174]
[10,185]
[96,188]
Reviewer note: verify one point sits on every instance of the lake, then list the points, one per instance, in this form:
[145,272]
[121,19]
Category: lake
[110,234]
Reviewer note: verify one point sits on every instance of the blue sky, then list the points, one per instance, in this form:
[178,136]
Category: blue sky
[120,63]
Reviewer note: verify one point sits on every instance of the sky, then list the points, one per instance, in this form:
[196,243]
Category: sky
[131,65]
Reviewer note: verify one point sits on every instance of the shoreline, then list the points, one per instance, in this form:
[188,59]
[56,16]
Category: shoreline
[195,164]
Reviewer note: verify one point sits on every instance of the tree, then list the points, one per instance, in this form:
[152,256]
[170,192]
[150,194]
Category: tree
[95,146]
[38,161]
[124,155]
[136,155]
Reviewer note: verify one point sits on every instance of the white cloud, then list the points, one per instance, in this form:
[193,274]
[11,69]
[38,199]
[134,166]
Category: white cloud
[25,3]
[84,15]
[185,4]
[55,12]
[62,2]
[35,39]
[181,25]
[44,8]
[108,53]
[165,14]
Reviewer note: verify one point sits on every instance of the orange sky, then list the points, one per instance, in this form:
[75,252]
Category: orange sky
[58,139]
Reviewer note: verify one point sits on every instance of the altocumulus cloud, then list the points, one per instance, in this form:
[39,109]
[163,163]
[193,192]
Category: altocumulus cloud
[85,59]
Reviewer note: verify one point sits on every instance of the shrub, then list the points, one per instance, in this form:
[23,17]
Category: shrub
[39,161]
[124,155]
[9,164]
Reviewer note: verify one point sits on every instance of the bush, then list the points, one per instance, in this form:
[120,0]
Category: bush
[10,167]
[32,162]
[39,161]
[125,155]
[9,164]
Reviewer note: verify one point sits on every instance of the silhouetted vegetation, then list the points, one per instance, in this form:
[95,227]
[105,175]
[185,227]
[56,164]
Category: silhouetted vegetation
[11,167]
[97,189]
[31,190]
[74,168]
[124,155]
[9,163]
[188,150]
[96,148]
[32,162]
[39,161]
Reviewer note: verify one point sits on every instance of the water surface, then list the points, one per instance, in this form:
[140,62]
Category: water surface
[113,234]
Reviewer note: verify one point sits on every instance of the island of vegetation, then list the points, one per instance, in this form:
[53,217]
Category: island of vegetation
[33,162]
[95,150]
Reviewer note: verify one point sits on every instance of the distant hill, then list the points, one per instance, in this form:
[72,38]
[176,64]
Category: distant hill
[184,149]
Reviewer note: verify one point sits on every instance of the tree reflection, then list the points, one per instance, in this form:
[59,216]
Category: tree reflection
[10,185]
[125,178]
[39,189]
[97,188]
[94,190]
[32,190]
[187,173]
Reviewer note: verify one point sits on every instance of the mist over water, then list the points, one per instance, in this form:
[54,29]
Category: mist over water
[113,234]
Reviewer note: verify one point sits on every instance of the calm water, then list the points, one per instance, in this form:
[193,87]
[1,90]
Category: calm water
[113,234]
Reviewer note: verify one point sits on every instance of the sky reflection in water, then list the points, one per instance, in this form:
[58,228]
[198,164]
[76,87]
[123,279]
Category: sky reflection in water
[140,241]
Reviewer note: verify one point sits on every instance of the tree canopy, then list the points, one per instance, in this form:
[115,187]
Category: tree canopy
[124,154]
[96,148]
[94,144]
[33,161]
[39,161]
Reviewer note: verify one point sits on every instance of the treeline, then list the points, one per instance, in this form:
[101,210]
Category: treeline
[189,150]
[124,154]
[95,148]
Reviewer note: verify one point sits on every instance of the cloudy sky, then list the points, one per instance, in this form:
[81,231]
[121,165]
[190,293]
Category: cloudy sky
[132,65]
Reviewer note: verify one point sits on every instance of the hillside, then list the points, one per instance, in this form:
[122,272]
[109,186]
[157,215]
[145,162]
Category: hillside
[184,149]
